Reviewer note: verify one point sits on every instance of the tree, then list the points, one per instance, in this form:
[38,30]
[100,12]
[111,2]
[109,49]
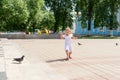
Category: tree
[61,10]
[101,14]
[87,9]
[47,21]
[65,11]
[108,18]
[35,10]
[14,14]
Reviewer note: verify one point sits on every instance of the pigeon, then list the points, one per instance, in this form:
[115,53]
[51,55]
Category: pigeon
[79,43]
[116,44]
[19,59]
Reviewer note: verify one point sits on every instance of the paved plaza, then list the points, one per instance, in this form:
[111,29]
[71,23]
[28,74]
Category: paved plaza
[95,59]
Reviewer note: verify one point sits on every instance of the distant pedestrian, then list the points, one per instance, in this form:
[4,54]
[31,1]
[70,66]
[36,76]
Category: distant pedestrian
[68,36]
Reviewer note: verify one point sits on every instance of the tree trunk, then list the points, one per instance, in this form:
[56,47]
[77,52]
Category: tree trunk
[111,25]
[111,33]
[33,29]
[89,26]
[55,27]
[63,25]
[90,9]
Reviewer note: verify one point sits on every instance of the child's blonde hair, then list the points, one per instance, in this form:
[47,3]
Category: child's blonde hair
[68,29]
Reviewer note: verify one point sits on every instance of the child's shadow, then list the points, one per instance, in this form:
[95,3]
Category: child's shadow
[56,60]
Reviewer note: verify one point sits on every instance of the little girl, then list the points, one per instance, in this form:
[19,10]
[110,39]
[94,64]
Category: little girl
[68,40]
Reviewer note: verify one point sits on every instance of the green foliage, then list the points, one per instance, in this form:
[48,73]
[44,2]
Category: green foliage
[102,12]
[47,21]
[105,14]
[24,15]
[61,10]
[35,10]
[56,14]
[14,14]
[87,9]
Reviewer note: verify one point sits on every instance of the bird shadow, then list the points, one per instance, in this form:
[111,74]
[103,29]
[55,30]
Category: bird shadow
[56,60]
[16,63]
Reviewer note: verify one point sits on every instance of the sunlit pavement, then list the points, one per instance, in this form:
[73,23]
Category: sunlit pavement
[2,64]
[95,59]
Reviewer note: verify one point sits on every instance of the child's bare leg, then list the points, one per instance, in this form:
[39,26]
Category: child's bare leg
[67,53]
[70,55]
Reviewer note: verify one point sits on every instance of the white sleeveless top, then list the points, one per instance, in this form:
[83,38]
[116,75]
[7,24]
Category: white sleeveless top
[68,39]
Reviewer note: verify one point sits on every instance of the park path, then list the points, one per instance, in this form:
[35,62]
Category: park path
[44,60]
